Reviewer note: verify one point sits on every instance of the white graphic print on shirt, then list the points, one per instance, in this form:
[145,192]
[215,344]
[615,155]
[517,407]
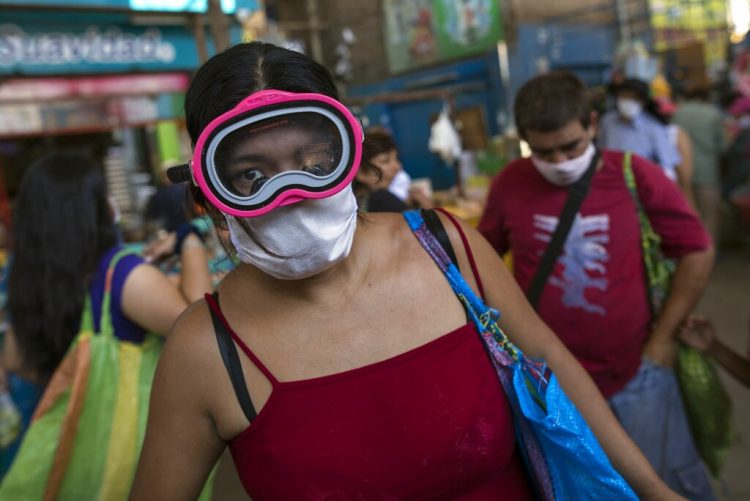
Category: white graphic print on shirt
[584,251]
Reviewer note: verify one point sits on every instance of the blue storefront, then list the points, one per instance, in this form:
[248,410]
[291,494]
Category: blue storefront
[479,89]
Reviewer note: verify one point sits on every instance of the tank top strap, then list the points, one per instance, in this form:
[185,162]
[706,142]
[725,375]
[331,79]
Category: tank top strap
[220,323]
[467,247]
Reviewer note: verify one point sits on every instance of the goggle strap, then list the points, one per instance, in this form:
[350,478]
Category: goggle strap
[180,174]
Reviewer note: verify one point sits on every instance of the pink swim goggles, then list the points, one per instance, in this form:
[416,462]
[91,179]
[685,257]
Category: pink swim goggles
[274,149]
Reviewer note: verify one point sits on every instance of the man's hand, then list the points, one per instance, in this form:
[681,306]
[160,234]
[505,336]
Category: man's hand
[661,350]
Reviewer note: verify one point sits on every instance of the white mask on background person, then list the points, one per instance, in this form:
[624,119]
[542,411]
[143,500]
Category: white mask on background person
[308,237]
[566,172]
[629,108]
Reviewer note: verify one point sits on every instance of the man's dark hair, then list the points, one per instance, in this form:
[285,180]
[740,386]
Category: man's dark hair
[549,102]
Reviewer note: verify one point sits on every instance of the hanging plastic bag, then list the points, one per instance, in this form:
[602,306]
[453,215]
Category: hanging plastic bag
[444,139]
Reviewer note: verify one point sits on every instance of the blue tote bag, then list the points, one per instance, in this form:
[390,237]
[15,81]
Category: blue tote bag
[562,455]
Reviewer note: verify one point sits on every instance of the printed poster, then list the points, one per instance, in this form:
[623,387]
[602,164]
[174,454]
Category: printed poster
[424,32]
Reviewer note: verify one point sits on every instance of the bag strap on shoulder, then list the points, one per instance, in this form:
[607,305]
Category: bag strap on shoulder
[658,271]
[437,229]
[231,358]
[105,317]
[576,195]
[484,317]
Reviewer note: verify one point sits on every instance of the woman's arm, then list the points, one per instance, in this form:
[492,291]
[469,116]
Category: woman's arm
[181,443]
[534,338]
[700,334]
[685,168]
[153,301]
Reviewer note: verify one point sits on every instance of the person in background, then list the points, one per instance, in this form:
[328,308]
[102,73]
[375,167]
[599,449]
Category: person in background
[699,333]
[595,298]
[704,124]
[167,208]
[375,187]
[359,374]
[681,140]
[64,240]
[737,157]
[637,126]
[379,168]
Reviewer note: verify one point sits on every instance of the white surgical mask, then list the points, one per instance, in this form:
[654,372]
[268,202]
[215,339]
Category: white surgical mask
[629,108]
[567,172]
[308,237]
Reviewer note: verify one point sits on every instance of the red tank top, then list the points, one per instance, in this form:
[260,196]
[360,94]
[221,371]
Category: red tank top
[430,423]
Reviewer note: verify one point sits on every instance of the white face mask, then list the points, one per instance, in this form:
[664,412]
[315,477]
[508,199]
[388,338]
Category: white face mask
[567,172]
[629,108]
[309,237]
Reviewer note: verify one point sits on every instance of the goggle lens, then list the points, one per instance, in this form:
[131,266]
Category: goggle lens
[252,154]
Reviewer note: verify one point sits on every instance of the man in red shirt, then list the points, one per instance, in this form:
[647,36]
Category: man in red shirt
[596,297]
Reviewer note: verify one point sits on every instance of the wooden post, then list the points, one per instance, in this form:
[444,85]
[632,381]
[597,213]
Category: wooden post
[219,23]
[316,47]
[200,37]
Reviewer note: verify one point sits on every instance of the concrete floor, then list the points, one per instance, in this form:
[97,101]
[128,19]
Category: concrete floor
[727,303]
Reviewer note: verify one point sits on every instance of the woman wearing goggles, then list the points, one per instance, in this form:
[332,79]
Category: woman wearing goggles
[358,374]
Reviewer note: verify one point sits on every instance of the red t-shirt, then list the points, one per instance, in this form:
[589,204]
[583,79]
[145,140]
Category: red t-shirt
[595,299]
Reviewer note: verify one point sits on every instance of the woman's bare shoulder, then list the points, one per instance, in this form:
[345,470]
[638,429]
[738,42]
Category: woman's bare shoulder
[192,342]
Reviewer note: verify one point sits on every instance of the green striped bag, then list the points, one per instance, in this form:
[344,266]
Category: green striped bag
[86,434]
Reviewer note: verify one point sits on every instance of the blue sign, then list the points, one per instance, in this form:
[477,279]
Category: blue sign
[36,49]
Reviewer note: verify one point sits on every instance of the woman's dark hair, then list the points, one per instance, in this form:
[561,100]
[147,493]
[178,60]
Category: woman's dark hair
[550,102]
[377,141]
[62,226]
[231,76]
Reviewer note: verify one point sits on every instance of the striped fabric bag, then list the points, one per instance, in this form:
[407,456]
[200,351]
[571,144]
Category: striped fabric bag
[86,434]
[707,403]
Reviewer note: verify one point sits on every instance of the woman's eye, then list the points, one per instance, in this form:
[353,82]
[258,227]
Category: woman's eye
[251,174]
[249,181]
[315,170]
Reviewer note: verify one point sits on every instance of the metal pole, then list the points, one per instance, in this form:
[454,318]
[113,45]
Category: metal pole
[621,9]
